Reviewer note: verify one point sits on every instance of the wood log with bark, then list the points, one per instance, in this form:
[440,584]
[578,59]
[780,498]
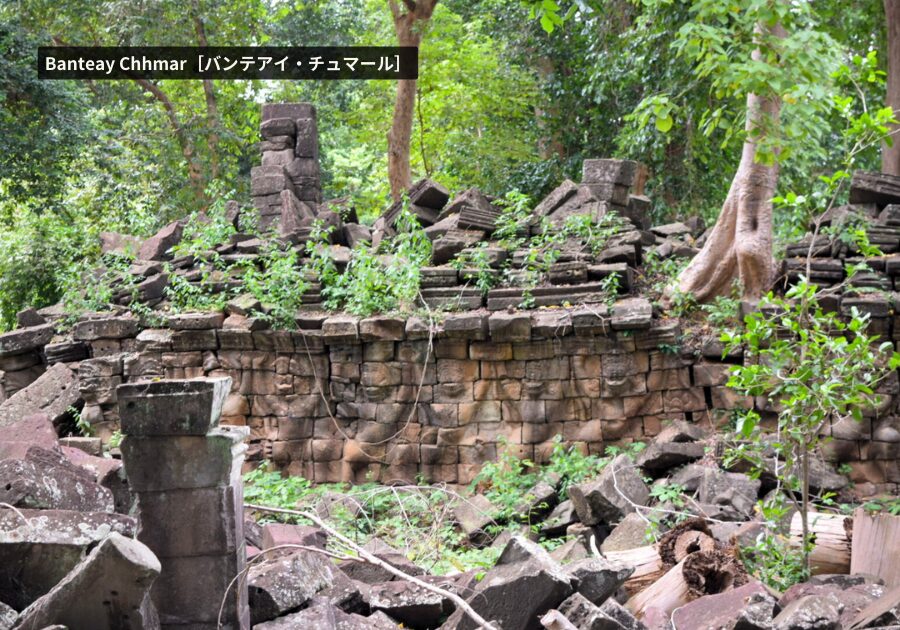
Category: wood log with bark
[648,566]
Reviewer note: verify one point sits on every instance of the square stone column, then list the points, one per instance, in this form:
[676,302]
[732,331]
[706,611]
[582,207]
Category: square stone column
[185,471]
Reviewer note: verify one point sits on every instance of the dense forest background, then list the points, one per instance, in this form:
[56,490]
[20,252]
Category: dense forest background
[502,104]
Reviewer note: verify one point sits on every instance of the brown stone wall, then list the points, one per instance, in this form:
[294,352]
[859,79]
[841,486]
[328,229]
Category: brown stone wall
[387,399]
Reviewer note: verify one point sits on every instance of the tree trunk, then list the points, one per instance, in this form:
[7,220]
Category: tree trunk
[408,26]
[890,156]
[212,106]
[740,245]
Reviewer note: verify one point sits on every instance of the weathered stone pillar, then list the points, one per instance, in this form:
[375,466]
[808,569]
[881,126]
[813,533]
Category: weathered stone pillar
[185,471]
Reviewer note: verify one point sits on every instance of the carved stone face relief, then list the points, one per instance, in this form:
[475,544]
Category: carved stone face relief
[616,367]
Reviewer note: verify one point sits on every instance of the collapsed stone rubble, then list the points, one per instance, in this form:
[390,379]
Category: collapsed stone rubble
[385,397]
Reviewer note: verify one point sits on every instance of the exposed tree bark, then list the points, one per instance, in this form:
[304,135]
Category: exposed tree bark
[212,106]
[408,25]
[740,245]
[890,156]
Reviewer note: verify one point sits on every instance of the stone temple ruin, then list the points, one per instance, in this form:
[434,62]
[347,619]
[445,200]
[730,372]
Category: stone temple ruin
[156,535]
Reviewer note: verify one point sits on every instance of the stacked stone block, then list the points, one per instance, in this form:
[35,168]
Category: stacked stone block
[611,181]
[185,471]
[21,360]
[287,187]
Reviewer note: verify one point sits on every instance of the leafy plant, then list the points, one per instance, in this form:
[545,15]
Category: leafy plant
[278,282]
[477,263]
[816,367]
[375,281]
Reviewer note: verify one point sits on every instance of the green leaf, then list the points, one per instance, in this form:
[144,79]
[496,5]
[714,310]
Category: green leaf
[664,124]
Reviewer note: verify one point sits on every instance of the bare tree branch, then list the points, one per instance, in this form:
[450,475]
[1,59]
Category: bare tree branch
[366,556]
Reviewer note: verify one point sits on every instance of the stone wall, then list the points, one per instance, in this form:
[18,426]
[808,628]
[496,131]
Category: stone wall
[386,399]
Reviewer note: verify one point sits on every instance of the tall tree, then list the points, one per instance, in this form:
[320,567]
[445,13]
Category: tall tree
[409,25]
[740,245]
[890,155]
[764,54]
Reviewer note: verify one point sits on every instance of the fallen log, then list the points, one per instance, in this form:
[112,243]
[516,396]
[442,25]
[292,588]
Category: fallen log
[831,541]
[648,566]
[876,546]
[665,594]
[684,539]
[698,574]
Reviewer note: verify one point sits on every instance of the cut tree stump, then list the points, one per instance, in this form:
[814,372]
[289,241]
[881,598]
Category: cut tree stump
[831,541]
[876,546]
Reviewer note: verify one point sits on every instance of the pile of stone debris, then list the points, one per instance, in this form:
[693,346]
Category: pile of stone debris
[82,546]
[456,228]
[826,252]
[287,198]
[605,575]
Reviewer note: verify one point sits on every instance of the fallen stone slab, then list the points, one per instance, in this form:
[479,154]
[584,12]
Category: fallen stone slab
[108,472]
[523,586]
[630,533]
[612,495]
[584,615]
[45,480]
[661,456]
[348,595]
[8,616]
[34,430]
[276,534]
[853,598]
[281,585]
[884,612]
[410,604]
[734,490]
[157,246]
[555,620]
[39,547]
[597,579]
[369,573]
[474,515]
[25,339]
[123,327]
[559,519]
[877,188]
[321,615]
[750,606]
[810,613]
[52,394]
[108,590]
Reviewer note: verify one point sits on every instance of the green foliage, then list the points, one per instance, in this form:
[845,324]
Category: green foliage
[90,288]
[571,466]
[270,488]
[81,425]
[476,262]
[772,558]
[278,282]
[185,296]
[376,280]
[814,366]
[723,310]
